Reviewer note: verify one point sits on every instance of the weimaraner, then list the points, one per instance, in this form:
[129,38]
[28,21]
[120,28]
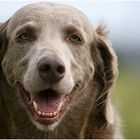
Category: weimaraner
[56,75]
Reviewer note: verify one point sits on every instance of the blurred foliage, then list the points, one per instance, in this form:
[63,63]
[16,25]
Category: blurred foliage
[126,97]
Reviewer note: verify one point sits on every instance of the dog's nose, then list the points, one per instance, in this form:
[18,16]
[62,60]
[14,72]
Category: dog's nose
[51,70]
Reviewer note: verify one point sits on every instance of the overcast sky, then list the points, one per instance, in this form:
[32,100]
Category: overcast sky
[121,17]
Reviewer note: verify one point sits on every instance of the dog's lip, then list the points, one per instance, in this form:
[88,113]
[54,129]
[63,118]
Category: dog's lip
[43,117]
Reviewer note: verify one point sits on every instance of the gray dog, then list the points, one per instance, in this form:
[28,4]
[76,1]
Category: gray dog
[56,75]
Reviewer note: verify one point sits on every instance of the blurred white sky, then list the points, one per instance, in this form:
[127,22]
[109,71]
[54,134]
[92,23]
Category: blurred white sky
[121,17]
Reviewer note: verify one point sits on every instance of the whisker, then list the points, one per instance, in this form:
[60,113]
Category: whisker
[100,103]
[104,93]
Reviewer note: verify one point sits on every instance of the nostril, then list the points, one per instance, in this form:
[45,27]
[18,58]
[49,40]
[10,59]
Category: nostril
[60,69]
[45,68]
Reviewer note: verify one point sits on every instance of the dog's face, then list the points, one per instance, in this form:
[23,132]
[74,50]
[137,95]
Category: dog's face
[45,57]
[49,59]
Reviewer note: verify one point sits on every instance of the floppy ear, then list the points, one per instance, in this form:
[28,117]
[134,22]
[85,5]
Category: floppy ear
[3,39]
[106,71]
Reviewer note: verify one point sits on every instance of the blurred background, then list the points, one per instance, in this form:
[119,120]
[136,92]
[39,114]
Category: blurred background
[123,20]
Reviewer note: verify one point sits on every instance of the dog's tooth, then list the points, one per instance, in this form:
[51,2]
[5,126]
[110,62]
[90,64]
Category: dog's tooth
[35,105]
[55,113]
[39,112]
[46,114]
[59,107]
[43,113]
[51,114]
[65,99]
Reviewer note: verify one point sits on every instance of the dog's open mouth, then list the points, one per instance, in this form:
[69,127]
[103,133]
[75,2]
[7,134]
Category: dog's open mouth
[47,106]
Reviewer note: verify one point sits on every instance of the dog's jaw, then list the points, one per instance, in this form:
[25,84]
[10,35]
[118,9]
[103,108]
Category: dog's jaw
[41,116]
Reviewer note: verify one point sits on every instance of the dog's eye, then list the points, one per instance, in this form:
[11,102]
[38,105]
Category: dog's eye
[74,38]
[24,36]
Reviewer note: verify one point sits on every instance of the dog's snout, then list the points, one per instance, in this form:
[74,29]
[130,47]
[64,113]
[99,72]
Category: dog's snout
[51,69]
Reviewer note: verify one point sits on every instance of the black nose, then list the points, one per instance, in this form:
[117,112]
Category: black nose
[51,69]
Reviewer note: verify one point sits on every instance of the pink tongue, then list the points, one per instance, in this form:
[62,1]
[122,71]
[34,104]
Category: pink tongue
[48,101]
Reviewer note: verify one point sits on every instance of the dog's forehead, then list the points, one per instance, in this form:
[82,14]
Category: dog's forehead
[47,10]
[49,13]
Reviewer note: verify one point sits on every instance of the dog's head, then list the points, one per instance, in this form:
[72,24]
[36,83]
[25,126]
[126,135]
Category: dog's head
[50,53]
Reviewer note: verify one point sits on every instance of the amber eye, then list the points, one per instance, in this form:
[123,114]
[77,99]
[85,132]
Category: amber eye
[74,38]
[24,36]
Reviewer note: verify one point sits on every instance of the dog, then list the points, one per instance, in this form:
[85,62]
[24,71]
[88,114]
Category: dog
[56,75]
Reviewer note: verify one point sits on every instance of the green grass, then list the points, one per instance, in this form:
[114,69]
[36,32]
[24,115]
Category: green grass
[126,96]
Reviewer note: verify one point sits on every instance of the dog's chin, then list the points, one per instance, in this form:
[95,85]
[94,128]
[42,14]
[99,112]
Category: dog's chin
[44,127]
[47,107]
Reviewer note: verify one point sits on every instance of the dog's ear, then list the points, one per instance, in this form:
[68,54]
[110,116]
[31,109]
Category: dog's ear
[106,71]
[3,39]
